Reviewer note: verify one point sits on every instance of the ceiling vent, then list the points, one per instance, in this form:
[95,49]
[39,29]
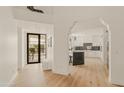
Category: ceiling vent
[34,9]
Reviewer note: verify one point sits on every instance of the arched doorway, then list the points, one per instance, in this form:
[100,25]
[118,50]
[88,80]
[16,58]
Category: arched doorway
[81,42]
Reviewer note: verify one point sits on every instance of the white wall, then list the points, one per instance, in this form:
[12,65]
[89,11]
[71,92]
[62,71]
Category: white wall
[8,46]
[117,49]
[80,39]
[61,58]
[20,56]
[25,27]
[94,36]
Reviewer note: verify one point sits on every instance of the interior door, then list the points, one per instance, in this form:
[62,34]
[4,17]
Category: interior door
[33,48]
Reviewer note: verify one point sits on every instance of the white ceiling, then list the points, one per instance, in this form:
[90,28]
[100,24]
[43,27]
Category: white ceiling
[88,26]
[48,10]
[71,13]
[22,13]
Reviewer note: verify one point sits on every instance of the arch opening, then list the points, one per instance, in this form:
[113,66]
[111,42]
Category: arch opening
[93,39]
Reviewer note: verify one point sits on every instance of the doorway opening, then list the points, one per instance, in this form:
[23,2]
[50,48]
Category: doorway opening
[90,41]
[36,48]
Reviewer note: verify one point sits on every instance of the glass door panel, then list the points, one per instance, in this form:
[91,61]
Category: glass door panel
[33,48]
[43,47]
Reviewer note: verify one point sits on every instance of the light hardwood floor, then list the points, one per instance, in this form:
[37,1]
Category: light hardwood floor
[93,74]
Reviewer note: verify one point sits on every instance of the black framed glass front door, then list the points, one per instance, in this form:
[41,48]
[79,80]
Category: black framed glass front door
[36,47]
[33,48]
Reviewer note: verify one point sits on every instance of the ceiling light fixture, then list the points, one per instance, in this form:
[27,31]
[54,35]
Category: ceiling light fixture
[34,10]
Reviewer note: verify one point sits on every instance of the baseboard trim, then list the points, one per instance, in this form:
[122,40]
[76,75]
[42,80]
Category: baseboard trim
[11,82]
[118,85]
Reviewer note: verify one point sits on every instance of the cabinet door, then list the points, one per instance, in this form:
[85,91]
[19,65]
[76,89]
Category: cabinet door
[78,58]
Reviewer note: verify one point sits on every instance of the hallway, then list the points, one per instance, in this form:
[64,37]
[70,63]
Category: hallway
[92,74]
